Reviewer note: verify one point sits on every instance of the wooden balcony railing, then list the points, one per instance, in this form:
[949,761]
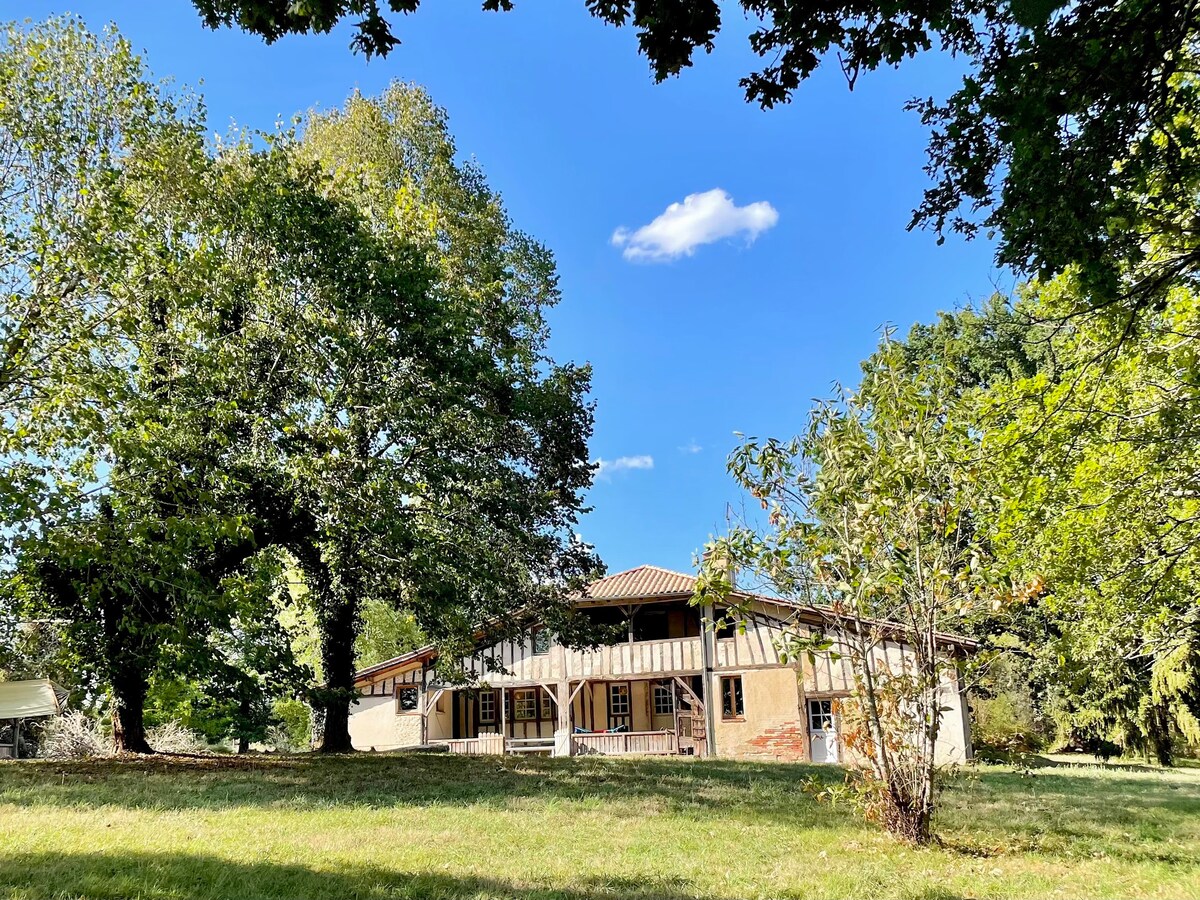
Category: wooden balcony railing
[658,743]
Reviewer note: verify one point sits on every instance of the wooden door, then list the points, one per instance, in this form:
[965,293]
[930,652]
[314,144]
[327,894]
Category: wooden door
[823,744]
[699,730]
[620,705]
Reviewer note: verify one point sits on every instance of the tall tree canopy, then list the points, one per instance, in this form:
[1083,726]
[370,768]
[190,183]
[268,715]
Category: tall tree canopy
[136,252]
[450,484]
[1070,138]
[1088,453]
[1096,459]
[332,345]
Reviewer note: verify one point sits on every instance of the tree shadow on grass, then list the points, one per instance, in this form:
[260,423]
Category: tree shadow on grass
[1124,815]
[183,876]
[747,790]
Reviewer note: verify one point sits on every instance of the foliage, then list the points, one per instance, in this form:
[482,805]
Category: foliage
[233,689]
[444,464]
[1000,722]
[37,649]
[872,521]
[386,632]
[143,430]
[333,347]
[293,732]
[1071,138]
[1098,475]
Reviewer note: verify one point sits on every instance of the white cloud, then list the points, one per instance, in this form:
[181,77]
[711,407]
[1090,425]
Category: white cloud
[691,447]
[606,467]
[700,219]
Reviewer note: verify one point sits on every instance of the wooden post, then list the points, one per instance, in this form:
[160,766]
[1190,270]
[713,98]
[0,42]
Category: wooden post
[503,698]
[564,729]
[707,652]
[565,712]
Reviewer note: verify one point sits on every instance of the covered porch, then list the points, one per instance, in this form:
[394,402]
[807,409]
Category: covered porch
[588,716]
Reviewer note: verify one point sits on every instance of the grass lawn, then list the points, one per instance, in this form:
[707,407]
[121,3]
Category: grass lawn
[436,826]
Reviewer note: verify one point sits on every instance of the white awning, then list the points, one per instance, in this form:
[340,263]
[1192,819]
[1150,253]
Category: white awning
[30,699]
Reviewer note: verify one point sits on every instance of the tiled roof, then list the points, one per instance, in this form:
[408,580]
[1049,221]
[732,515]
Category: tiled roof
[642,582]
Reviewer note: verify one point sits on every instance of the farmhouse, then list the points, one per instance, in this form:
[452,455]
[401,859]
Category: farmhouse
[670,686]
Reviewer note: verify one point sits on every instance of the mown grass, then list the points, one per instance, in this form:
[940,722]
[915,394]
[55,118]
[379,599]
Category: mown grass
[435,826]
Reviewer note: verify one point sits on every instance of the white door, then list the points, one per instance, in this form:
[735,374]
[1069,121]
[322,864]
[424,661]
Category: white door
[822,732]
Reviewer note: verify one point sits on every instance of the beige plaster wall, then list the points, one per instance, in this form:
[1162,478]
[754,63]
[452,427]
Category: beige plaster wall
[375,725]
[772,726]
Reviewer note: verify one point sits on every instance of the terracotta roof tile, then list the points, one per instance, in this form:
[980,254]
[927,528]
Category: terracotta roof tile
[644,581]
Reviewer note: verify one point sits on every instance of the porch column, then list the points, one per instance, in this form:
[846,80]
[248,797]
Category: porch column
[707,653]
[563,743]
[503,720]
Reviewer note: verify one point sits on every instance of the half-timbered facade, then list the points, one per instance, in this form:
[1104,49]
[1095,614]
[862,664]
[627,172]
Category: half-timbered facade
[669,686]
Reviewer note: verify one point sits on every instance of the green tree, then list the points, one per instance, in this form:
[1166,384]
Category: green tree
[247,668]
[142,414]
[387,631]
[872,521]
[1097,466]
[79,125]
[438,449]
[334,346]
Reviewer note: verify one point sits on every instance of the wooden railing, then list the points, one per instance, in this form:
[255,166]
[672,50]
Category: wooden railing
[621,742]
[530,745]
[487,745]
[656,743]
[639,658]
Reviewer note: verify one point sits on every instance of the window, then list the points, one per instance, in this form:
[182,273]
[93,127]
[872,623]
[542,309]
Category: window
[726,626]
[541,641]
[487,707]
[525,704]
[820,715]
[732,706]
[547,706]
[664,698]
[408,698]
[651,625]
[618,699]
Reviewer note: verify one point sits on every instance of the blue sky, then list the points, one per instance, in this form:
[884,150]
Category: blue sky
[740,335]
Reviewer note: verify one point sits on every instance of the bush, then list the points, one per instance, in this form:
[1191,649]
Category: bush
[1004,725]
[293,733]
[171,737]
[75,735]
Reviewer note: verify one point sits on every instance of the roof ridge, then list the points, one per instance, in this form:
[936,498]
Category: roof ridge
[649,566]
[670,571]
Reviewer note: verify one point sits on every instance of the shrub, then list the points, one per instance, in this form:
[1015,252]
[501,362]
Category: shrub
[1005,725]
[75,735]
[171,737]
[293,733]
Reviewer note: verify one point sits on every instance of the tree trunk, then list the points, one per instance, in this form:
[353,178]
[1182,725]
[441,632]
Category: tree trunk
[1160,736]
[128,723]
[339,629]
[243,745]
[911,821]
